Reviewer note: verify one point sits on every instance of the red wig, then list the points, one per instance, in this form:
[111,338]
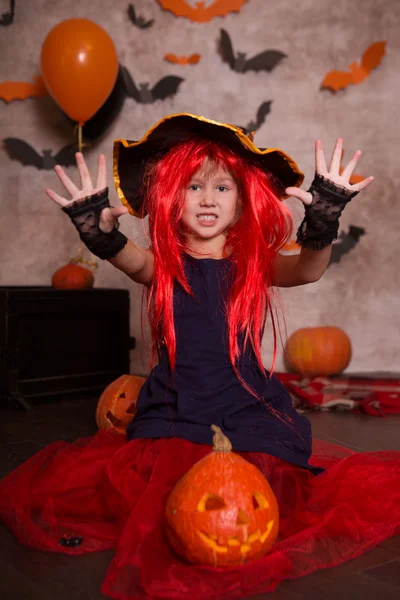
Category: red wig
[263,227]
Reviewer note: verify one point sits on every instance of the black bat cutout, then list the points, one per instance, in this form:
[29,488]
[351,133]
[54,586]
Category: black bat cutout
[27,155]
[138,21]
[8,17]
[345,243]
[266,61]
[263,110]
[165,87]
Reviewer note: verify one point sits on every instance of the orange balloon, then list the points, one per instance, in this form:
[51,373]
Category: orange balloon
[79,65]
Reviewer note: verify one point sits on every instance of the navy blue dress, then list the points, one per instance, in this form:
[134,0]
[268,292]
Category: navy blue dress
[204,388]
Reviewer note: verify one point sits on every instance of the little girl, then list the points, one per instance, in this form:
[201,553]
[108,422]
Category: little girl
[216,226]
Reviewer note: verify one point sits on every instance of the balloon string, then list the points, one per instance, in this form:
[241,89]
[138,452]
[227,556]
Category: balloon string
[80,138]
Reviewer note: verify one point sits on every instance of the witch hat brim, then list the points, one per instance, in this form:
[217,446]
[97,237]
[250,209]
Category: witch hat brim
[131,159]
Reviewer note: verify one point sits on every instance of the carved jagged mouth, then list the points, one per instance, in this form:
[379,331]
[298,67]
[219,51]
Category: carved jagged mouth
[233,541]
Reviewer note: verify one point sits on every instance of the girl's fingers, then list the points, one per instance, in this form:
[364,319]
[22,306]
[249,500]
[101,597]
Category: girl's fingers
[101,181]
[357,187]
[336,157]
[86,180]
[109,217]
[107,220]
[119,211]
[56,197]
[348,170]
[305,197]
[66,181]
[320,164]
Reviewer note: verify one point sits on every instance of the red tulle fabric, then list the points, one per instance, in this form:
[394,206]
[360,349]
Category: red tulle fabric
[112,494]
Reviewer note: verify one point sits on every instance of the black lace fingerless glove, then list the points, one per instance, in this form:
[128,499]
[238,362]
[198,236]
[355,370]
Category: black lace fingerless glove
[320,225]
[85,215]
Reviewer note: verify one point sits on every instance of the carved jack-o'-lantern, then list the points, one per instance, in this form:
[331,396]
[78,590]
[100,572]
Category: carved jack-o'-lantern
[117,404]
[223,511]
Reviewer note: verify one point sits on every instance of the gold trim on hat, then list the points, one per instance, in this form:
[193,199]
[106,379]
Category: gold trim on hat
[117,180]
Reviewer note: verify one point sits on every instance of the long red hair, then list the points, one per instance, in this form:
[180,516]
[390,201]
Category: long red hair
[254,239]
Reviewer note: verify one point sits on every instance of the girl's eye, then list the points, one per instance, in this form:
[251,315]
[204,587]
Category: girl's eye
[222,188]
[194,187]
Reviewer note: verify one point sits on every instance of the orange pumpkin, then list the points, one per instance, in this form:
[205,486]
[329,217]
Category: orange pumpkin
[72,277]
[223,511]
[317,351]
[117,404]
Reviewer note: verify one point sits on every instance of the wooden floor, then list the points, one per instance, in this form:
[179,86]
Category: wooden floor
[27,574]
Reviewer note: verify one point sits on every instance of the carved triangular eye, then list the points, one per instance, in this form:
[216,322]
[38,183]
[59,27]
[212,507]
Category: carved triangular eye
[259,501]
[211,502]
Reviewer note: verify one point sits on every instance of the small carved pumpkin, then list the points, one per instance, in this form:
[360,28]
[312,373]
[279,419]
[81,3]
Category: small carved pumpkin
[223,511]
[117,404]
[318,351]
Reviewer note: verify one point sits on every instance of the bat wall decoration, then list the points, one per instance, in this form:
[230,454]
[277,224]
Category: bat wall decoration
[263,110]
[164,88]
[193,59]
[358,72]
[265,61]
[201,13]
[291,246]
[345,243]
[8,17]
[137,20]
[28,156]
[353,178]
[20,90]
[125,87]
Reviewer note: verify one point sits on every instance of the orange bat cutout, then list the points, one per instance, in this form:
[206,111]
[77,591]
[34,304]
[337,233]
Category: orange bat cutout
[20,90]
[353,178]
[291,246]
[339,80]
[193,59]
[200,12]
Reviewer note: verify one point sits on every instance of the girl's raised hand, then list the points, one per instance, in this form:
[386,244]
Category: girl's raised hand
[109,216]
[332,174]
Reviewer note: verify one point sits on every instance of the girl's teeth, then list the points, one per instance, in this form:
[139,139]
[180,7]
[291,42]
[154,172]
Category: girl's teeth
[207,217]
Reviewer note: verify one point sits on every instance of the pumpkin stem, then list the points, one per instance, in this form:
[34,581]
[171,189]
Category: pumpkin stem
[220,441]
[79,259]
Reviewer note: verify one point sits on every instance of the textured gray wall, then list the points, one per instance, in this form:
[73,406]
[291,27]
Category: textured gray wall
[360,294]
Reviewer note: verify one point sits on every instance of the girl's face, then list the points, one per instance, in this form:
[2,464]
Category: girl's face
[210,205]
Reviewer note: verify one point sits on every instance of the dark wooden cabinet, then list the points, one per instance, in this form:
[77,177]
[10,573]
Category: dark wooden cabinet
[58,343]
